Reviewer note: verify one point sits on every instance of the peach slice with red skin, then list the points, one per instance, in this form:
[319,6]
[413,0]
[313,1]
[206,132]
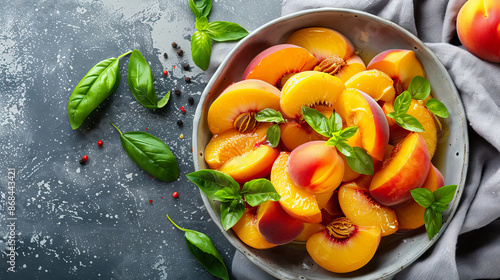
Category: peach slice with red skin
[309,230]
[278,62]
[360,208]
[296,201]
[294,134]
[404,171]
[375,83]
[253,84]
[246,229]
[275,225]
[316,167]
[332,209]
[411,215]
[343,246]
[359,109]
[401,65]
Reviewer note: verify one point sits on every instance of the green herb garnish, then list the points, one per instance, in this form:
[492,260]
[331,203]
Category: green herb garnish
[273,133]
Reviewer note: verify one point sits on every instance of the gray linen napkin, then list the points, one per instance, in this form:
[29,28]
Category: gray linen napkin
[470,247]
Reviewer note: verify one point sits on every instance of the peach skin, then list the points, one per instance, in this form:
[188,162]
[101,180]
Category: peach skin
[247,231]
[275,225]
[255,84]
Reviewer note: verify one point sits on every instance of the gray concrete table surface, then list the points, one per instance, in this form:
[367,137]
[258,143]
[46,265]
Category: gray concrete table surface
[95,221]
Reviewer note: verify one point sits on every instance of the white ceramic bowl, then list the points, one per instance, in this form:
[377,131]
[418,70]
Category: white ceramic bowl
[370,35]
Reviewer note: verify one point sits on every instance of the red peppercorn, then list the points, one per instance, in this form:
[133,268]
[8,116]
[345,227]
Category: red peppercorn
[175,194]
[85,158]
[99,143]
[165,72]
[183,110]
[150,201]
[191,149]
[162,197]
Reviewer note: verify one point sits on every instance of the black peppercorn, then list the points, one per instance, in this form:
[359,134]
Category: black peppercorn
[179,122]
[165,55]
[180,52]
[177,92]
[188,80]
[186,66]
[82,162]
[191,100]
[174,45]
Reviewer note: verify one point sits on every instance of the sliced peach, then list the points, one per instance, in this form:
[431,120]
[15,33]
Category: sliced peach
[411,215]
[254,164]
[255,84]
[247,231]
[296,201]
[311,89]
[232,143]
[294,134]
[401,65]
[316,167]
[360,208]
[237,108]
[349,174]
[322,42]
[359,109]
[343,246]
[275,64]
[341,69]
[405,170]
[309,230]
[375,83]
[275,225]
[332,209]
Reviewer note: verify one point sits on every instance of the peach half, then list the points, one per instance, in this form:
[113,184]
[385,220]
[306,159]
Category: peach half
[276,64]
[294,134]
[253,84]
[404,171]
[311,89]
[316,167]
[296,201]
[341,69]
[360,208]
[248,232]
[236,109]
[359,109]
[309,230]
[401,65]
[375,83]
[411,215]
[275,225]
[343,246]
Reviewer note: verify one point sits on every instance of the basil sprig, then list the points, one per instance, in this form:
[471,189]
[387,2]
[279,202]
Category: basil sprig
[220,31]
[222,187]
[273,133]
[94,88]
[401,106]
[151,154]
[140,82]
[202,248]
[357,158]
[435,203]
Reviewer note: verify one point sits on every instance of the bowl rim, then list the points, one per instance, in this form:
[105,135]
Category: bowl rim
[197,117]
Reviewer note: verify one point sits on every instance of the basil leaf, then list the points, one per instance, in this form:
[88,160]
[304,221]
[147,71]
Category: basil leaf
[201,49]
[438,207]
[422,196]
[273,135]
[392,115]
[202,248]
[419,88]
[201,23]
[437,107]
[140,81]
[345,149]
[164,100]
[445,194]
[102,80]
[433,221]
[150,154]
[225,194]
[317,121]
[361,162]
[348,132]
[222,31]
[402,103]
[258,191]
[200,8]
[231,212]
[211,181]
[335,122]
[409,122]
[333,141]
[269,115]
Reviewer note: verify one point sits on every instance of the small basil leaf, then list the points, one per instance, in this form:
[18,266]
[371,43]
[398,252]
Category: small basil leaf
[438,207]
[335,122]
[269,115]
[333,141]
[317,121]
[231,212]
[410,123]
[445,194]
[200,8]
[348,132]
[211,181]
[419,88]
[433,221]
[437,107]
[101,80]
[225,194]
[258,191]
[273,135]
[345,149]
[392,115]
[402,103]
[164,100]
[140,80]
[222,31]
[422,196]
[201,23]
[362,162]
[201,49]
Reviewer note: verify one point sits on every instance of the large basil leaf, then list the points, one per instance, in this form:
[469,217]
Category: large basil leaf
[93,89]
[201,49]
[150,154]
[222,31]
[361,162]
[211,181]
[231,212]
[317,121]
[258,191]
[140,82]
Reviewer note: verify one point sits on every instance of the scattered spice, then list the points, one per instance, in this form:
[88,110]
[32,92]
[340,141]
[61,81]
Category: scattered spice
[175,194]
[177,92]
[183,110]
[150,201]
[82,162]
[181,136]
[162,197]
[180,52]
[173,66]
[186,66]
[85,158]
[165,55]
[165,72]
[146,128]
[99,143]
[188,80]
[191,149]
[191,100]
[180,123]
[174,45]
